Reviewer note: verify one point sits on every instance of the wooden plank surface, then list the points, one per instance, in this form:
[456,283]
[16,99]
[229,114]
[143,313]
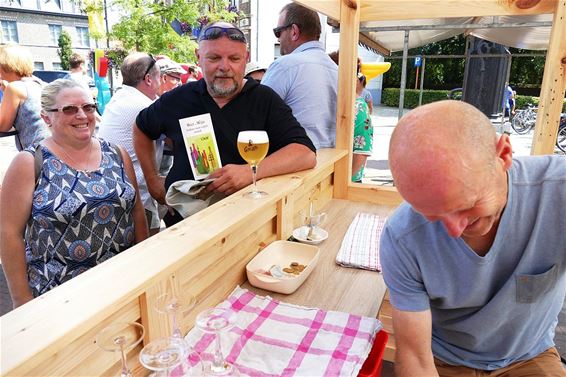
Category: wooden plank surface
[373,10]
[383,195]
[347,77]
[330,286]
[553,86]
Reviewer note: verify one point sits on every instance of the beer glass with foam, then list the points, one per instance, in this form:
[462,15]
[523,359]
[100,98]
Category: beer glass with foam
[253,147]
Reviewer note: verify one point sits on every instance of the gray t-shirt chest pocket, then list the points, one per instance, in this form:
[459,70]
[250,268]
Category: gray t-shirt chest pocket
[532,287]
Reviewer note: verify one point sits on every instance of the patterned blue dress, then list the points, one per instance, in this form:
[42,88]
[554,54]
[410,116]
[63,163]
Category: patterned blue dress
[78,220]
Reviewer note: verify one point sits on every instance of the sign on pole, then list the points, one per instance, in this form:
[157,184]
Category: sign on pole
[418,61]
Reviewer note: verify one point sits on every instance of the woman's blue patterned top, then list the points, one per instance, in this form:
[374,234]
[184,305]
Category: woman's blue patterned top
[78,219]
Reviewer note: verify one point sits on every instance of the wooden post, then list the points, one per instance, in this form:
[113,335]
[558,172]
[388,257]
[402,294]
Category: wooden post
[157,325]
[285,210]
[349,30]
[553,86]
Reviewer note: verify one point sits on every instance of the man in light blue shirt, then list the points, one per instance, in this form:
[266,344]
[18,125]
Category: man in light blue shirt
[305,77]
[474,259]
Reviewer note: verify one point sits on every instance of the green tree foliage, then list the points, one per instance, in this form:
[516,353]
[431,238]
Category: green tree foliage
[390,97]
[448,73]
[145,25]
[526,72]
[439,73]
[65,50]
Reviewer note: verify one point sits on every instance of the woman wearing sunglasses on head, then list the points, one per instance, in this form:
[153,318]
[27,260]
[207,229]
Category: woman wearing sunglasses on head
[73,197]
[20,104]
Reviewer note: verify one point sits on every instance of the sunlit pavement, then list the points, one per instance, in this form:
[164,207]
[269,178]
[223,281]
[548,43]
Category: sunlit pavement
[384,120]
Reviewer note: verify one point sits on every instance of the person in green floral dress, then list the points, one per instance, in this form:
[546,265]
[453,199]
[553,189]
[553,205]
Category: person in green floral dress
[363,134]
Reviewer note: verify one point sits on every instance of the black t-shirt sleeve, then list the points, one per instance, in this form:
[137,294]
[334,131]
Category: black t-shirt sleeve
[282,127]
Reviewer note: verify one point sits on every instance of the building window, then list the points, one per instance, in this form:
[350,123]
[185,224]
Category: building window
[244,22]
[9,31]
[82,37]
[57,66]
[55,32]
[38,66]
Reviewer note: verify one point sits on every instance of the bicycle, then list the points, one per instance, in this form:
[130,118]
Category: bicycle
[561,137]
[524,120]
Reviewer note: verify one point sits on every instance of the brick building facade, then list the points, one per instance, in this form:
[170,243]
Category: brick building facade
[37,25]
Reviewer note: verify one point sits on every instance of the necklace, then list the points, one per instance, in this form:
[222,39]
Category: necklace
[86,171]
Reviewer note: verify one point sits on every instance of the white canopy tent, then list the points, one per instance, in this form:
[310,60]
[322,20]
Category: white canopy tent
[526,32]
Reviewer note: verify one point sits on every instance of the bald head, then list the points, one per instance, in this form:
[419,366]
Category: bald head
[134,68]
[446,141]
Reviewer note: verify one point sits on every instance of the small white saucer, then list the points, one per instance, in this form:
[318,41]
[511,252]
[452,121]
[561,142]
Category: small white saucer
[318,235]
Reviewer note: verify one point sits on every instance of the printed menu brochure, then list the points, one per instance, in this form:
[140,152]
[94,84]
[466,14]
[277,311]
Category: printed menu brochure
[198,135]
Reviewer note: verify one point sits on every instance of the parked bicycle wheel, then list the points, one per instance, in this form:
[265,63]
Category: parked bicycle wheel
[561,139]
[523,121]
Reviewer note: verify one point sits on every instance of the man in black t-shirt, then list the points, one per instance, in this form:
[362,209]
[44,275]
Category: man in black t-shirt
[235,104]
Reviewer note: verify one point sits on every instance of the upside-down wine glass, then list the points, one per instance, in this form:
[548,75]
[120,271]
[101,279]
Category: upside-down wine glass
[215,321]
[163,355]
[253,147]
[172,305]
[122,337]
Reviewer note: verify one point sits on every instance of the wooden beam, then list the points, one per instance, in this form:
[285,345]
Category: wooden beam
[374,10]
[364,39]
[383,195]
[553,86]
[350,25]
[330,8]
[285,214]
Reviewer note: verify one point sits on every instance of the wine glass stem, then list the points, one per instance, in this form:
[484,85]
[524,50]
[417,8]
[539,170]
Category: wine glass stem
[254,172]
[176,330]
[125,371]
[218,362]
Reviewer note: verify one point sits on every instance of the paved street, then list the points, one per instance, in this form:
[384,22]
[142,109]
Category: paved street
[384,121]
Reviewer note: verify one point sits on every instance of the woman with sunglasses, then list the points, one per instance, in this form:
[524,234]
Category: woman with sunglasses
[20,104]
[74,198]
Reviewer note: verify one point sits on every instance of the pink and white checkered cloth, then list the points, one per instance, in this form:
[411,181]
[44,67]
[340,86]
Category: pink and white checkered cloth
[360,246]
[272,338]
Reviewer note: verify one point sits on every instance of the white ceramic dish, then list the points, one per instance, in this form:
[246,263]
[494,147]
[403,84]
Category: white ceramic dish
[318,235]
[281,253]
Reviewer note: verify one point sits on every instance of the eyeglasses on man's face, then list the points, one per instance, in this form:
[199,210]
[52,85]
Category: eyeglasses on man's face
[173,78]
[150,66]
[215,32]
[88,108]
[279,29]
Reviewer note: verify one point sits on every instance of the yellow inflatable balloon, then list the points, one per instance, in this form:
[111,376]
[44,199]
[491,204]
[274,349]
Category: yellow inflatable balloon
[372,70]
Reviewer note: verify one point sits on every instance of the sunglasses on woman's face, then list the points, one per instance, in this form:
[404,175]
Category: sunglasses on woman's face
[215,32]
[88,108]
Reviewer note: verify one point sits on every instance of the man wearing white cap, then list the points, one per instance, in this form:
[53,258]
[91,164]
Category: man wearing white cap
[255,71]
[170,74]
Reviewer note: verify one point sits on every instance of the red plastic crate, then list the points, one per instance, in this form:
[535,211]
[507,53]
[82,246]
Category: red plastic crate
[372,365]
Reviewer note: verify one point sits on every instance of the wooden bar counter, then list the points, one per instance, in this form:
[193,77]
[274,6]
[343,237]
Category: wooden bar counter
[333,287]
[205,255]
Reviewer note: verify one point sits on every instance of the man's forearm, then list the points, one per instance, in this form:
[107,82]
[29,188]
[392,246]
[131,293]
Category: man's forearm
[414,366]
